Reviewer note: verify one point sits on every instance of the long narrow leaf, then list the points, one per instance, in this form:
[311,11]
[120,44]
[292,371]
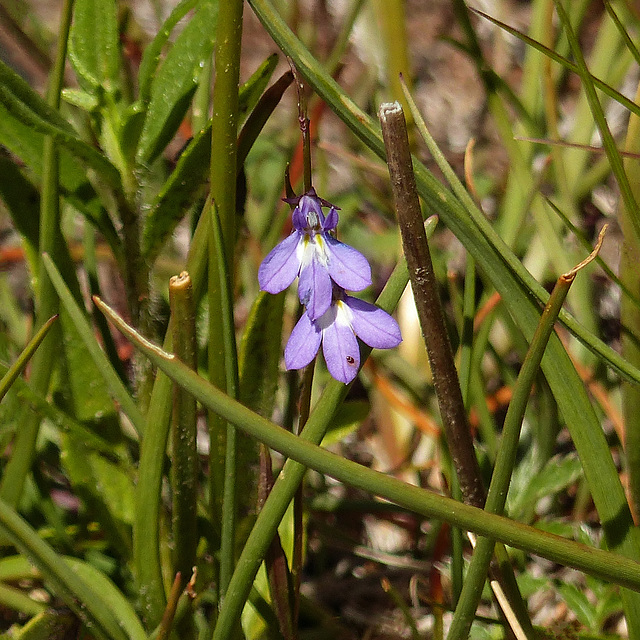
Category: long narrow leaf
[565,62]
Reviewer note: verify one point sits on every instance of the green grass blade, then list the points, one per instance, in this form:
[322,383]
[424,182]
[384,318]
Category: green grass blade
[565,62]
[608,142]
[18,366]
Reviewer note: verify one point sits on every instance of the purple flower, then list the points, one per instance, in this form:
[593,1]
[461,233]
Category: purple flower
[313,253]
[337,329]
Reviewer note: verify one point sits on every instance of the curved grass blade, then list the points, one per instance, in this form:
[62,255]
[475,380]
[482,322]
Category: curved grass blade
[26,105]
[610,566]
[113,599]
[609,144]
[585,243]
[17,367]
[115,385]
[565,62]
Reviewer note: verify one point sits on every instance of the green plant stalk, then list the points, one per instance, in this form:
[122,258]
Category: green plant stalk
[606,565]
[184,455]
[223,192]
[77,594]
[431,317]
[228,524]
[115,385]
[506,458]
[24,444]
[18,366]
[630,315]
[16,599]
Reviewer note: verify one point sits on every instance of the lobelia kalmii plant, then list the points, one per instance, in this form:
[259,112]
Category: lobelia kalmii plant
[326,267]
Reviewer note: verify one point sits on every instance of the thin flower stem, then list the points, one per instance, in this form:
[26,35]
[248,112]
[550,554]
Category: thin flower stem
[184,462]
[303,121]
[17,468]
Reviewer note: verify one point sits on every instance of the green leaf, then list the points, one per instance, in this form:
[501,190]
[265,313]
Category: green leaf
[49,625]
[578,602]
[104,487]
[152,53]
[81,99]
[555,476]
[22,200]
[79,595]
[252,89]
[112,597]
[24,104]
[176,81]
[94,45]
[260,352]
[101,363]
[27,144]
[347,419]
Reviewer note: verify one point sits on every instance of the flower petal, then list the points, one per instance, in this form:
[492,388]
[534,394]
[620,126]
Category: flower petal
[303,343]
[314,288]
[341,351]
[280,268]
[331,221]
[347,266]
[372,325]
